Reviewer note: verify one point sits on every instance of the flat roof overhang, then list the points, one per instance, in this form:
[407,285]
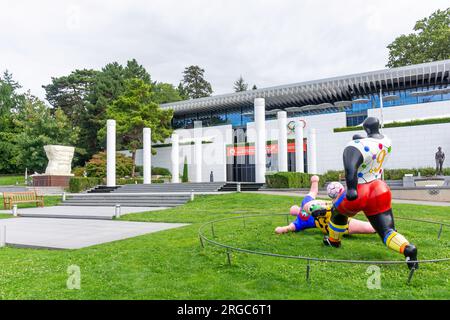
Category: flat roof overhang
[322,91]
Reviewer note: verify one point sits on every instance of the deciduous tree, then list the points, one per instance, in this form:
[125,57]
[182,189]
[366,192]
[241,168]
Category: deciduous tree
[136,109]
[430,41]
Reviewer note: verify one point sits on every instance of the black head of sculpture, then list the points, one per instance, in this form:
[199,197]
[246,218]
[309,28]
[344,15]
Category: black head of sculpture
[372,127]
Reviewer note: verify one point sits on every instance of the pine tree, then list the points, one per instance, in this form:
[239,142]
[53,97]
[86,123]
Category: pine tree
[240,85]
[195,84]
[254,87]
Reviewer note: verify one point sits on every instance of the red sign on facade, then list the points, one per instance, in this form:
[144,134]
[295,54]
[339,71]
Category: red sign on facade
[249,150]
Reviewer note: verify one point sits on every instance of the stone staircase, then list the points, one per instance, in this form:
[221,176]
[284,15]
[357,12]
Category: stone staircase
[127,199]
[142,195]
[202,187]
[245,186]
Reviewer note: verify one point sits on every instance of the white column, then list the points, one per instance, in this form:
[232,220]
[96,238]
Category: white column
[282,142]
[198,159]
[147,155]
[260,143]
[175,159]
[299,152]
[312,152]
[111,153]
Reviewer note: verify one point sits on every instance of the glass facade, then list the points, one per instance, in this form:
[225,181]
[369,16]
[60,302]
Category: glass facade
[356,114]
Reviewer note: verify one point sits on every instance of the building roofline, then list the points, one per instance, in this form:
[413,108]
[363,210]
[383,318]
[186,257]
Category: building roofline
[320,90]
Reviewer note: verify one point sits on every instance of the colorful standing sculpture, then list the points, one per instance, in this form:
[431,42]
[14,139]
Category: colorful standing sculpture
[364,158]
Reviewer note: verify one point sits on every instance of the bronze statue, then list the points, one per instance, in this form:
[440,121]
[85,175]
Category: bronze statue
[440,157]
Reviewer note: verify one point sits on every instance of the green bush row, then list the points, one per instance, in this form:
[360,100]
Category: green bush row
[123,181]
[79,184]
[398,174]
[399,124]
[302,180]
[290,180]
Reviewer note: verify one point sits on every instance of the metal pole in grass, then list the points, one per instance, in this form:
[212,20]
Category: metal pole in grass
[411,273]
[212,230]
[287,219]
[440,231]
[229,256]
[243,219]
[201,242]
[308,270]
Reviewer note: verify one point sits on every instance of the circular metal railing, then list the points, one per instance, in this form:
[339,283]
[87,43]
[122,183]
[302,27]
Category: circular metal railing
[229,248]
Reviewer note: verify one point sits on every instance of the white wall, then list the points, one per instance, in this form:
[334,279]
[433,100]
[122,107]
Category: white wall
[437,109]
[413,147]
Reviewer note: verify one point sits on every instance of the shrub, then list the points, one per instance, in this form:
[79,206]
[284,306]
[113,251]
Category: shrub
[333,175]
[139,171]
[290,180]
[398,174]
[79,184]
[96,167]
[78,171]
[123,181]
[185,177]
[157,171]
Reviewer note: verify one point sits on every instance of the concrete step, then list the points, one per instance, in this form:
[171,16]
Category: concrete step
[129,200]
[131,196]
[232,186]
[62,216]
[138,204]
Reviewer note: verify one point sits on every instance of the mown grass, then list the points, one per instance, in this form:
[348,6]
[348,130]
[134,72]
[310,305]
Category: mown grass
[172,265]
[12,180]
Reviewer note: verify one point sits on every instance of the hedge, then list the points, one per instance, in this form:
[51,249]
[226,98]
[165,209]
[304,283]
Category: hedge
[79,184]
[398,174]
[123,181]
[399,124]
[297,180]
[157,171]
[290,180]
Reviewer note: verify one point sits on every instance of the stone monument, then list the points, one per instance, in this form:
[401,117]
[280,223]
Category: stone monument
[58,171]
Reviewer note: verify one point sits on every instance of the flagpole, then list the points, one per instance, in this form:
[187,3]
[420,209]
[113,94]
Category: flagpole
[381,107]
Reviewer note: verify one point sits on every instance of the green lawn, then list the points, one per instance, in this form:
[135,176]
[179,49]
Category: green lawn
[12,180]
[172,265]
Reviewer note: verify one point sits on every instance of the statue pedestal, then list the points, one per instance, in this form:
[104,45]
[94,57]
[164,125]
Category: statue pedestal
[44,180]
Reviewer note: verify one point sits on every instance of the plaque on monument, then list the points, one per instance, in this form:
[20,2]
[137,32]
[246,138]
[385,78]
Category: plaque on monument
[58,171]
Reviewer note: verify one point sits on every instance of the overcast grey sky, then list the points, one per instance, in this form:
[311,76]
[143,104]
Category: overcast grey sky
[269,42]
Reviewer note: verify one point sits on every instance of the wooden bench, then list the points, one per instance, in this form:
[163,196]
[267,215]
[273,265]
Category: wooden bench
[11,198]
